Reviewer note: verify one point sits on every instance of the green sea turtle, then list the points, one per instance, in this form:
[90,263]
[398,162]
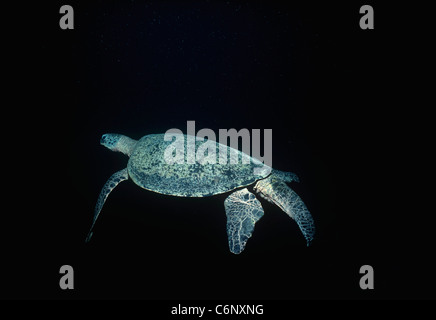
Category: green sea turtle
[153,166]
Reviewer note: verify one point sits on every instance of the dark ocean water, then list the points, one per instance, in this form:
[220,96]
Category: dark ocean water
[136,68]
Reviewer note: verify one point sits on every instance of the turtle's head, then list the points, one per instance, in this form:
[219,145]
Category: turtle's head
[110,140]
[118,142]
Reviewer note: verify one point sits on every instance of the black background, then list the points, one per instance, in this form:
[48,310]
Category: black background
[308,72]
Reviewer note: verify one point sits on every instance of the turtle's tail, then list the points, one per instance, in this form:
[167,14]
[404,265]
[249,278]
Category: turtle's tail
[276,191]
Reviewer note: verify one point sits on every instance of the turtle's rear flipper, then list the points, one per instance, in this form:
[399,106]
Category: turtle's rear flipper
[112,182]
[276,191]
[243,210]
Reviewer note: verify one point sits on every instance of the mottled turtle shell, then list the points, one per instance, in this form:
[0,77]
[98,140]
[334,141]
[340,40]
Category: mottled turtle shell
[150,170]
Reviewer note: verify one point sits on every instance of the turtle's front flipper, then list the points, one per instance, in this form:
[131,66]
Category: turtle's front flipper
[276,191]
[285,176]
[113,181]
[243,210]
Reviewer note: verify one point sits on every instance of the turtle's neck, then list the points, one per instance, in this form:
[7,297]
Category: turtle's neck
[126,145]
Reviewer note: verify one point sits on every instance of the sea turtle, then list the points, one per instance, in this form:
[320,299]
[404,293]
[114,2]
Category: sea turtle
[153,166]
